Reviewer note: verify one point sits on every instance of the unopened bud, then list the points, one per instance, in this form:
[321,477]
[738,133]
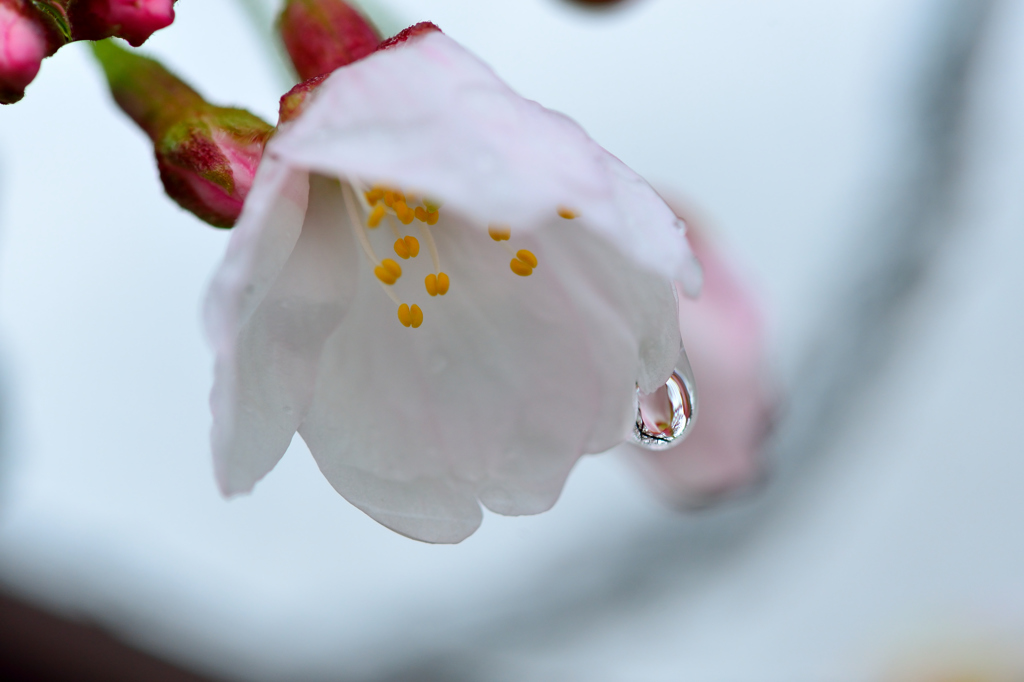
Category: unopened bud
[323,35]
[23,45]
[207,155]
[133,20]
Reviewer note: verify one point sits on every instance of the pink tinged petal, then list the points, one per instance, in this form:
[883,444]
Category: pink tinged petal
[269,339]
[725,342]
[454,130]
[510,379]
[22,49]
[498,394]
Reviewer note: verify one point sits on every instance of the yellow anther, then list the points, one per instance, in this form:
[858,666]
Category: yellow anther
[391,266]
[437,285]
[374,195]
[376,215]
[388,271]
[384,276]
[499,233]
[421,214]
[527,257]
[417,316]
[389,198]
[567,213]
[520,268]
[432,217]
[401,249]
[413,245]
[405,315]
[407,247]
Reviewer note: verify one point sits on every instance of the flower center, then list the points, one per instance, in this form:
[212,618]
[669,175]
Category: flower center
[369,207]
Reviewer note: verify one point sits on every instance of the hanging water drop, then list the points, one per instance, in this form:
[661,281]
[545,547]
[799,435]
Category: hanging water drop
[664,417]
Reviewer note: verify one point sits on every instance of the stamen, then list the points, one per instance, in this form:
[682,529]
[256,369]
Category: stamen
[410,317]
[421,214]
[499,233]
[429,239]
[375,216]
[388,271]
[413,245]
[567,213]
[520,268]
[402,210]
[349,199]
[437,285]
[404,316]
[401,249]
[357,225]
[527,257]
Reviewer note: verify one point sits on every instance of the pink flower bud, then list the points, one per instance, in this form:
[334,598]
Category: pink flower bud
[133,20]
[207,155]
[207,162]
[23,44]
[323,35]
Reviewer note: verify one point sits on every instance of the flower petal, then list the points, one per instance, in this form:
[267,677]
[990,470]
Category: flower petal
[431,118]
[508,381]
[282,290]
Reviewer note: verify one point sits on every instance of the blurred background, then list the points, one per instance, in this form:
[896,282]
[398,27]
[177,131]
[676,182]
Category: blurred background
[860,165]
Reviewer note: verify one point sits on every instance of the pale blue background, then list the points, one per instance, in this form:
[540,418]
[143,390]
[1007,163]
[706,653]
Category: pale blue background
[779,122]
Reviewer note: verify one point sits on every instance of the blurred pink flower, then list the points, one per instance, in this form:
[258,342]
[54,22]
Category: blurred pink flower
[23,45]
[492,390]
[724,338]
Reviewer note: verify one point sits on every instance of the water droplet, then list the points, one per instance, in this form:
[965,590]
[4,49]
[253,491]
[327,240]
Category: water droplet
[664,417]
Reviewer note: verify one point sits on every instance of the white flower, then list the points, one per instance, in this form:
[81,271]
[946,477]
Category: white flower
[495,388]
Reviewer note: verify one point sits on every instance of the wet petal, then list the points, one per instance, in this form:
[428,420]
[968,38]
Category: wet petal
[269,338]
[430,117]
[495,397]
[724,337]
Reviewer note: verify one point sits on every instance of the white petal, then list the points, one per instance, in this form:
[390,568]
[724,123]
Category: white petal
[265,374]
[495,397]
[429,117]
[260,245]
